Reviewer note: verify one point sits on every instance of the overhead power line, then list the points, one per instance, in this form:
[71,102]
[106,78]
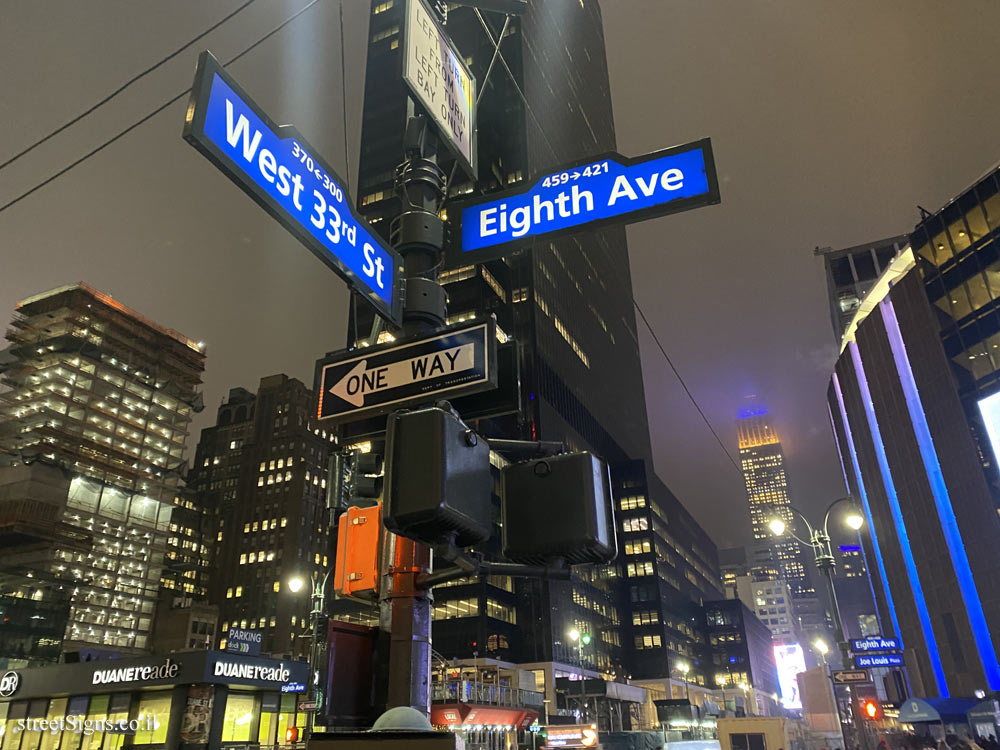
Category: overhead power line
[686,389]
[531,113]
[121,134]
[124,86]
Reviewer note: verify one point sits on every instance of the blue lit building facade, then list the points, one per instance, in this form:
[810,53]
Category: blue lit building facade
[910,402]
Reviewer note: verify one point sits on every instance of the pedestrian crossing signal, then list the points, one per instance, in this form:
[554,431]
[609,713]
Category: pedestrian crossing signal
[871,710]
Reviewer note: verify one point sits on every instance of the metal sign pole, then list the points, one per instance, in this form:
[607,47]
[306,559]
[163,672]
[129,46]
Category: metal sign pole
[418,234]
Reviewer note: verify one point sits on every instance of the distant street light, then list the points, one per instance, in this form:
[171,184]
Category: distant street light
[819,541]
[581,639]
[295,585]
[820,645]
[683,668]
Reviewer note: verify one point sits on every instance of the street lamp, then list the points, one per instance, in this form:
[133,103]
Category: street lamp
[819,541]
[683,668]
[581,640]
[314,691]
[720,680]
[820,645]
[855,521]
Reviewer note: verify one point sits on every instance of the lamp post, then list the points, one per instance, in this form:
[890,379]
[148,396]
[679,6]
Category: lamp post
[819,541]
[314,691]
[820,645]
[683,668]
[581,640]
[720,680]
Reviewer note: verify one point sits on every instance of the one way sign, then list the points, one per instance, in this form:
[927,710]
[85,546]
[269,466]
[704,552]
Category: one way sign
[375,380]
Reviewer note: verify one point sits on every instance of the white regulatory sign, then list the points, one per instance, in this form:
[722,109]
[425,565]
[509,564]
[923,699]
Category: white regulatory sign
[440,80]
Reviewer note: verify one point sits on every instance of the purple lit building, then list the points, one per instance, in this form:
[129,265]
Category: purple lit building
[913,405]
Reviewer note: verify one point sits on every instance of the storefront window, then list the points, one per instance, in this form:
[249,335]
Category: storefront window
[36,710]
[286,717]
[266,734]
[98,710]
[117,712]
[270,705]
[3,721]
[240,709]
[9,739]
[77,707]
[57,710]
[153,716]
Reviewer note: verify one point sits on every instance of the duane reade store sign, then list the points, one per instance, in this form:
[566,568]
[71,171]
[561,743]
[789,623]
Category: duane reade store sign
[166,671]
[203,698]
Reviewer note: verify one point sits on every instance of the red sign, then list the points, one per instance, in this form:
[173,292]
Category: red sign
[570,735]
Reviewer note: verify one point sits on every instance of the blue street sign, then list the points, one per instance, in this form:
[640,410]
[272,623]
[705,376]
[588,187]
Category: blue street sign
[284,174]
[878,660]
[876,643]
[607,189]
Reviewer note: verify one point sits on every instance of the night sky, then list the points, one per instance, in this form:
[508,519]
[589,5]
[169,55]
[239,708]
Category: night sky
[830,122]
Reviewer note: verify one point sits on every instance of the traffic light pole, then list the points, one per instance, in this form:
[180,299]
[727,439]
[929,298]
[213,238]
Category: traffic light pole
[418,234]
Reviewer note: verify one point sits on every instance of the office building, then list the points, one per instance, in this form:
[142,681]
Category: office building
[669,568]
[763,465]
[565,305]
[262,467]
[851,272]
[92,431]
[733,567]
[911,400]
[772,602]
[743,654]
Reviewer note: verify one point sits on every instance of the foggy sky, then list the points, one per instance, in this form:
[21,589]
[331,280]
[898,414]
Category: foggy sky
[830,122]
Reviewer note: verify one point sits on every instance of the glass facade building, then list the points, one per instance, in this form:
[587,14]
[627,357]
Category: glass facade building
[851,272]
[910,401]
[93,423]
[566,307]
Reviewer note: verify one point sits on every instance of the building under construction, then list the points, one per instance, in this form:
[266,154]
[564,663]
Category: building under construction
[94,414]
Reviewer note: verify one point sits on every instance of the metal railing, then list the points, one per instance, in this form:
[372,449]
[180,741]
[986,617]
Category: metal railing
[466,691]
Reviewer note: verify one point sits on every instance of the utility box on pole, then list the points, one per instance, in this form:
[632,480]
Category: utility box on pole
[359,539]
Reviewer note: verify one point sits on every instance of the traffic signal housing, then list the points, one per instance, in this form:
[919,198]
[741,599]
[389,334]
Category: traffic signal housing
[366,475]
[558,507]
[438,483]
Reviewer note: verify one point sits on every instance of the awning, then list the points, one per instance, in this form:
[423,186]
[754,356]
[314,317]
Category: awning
[946,710]
[452,714]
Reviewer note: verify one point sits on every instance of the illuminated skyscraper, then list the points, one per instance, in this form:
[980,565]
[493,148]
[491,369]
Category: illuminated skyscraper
[94,414]
[763,465]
